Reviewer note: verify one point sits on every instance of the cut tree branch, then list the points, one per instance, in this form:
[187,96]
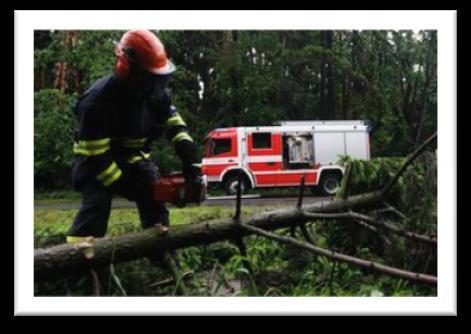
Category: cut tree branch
[374,230]
[390,208]
[366,264]
[409,161]
[348,180]
[374,222]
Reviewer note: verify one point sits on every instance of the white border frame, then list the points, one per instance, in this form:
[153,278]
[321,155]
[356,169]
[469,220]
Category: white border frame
[27,21]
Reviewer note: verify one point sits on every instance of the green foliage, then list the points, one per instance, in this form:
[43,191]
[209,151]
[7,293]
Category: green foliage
[373,174]
[53,138]
[368,175]
[414,195]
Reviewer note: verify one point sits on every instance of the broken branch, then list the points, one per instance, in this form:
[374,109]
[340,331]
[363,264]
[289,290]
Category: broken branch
[366,264]
[374,222]
[409,160]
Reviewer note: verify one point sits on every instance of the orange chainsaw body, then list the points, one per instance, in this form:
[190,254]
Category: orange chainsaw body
[173,189]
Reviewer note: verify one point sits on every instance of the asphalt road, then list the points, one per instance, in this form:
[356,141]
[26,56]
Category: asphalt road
[212,201]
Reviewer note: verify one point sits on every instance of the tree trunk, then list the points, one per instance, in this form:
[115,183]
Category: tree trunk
[60,76]
[429,73]
[327,82]
[330,77]
[346,98]
[230,59]
[65,259]
[323,111]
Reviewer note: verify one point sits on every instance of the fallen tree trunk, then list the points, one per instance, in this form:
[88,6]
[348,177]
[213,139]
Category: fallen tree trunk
[65,259]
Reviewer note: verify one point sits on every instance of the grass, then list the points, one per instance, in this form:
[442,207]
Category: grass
[61,195]
[51,226]
[65,195]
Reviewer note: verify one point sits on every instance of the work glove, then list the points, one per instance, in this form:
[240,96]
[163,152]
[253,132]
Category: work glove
[194,183]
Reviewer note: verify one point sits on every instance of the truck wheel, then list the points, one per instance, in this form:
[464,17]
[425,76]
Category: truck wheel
[329,184]
[231,185]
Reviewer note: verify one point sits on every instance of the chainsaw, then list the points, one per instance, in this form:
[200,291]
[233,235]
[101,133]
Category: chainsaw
[173,189]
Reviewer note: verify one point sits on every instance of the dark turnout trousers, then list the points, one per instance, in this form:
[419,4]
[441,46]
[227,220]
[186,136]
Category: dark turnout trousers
[92,218]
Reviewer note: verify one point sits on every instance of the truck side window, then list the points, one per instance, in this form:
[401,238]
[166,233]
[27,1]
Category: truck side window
[261,140]
[219,146]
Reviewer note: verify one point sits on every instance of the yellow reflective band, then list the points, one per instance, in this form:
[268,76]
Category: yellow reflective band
[78,149]
[137,157]
[94,142]
[108,171]
[112,178]
[175,120]
[74,240]
[92,147]
[181,136]
[109,175]
[134,158]
[196,165]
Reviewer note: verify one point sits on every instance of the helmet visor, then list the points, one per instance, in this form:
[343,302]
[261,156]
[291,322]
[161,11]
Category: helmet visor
[164,70]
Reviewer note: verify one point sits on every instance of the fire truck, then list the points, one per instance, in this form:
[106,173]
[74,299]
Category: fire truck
[280,155]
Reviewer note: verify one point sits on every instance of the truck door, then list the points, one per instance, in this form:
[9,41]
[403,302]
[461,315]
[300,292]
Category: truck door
[220,153]
[264,157]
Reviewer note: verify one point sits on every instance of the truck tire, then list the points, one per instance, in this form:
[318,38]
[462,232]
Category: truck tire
[329,184]
[230,185]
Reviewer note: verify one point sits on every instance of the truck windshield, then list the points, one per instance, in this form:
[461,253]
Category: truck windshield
[218,146]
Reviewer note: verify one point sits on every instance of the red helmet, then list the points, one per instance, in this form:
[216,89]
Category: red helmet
[145,49]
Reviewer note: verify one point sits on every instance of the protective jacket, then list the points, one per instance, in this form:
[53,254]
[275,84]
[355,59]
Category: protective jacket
[115,129]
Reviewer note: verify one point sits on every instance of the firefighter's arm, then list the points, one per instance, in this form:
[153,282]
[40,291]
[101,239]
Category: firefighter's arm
[185,148]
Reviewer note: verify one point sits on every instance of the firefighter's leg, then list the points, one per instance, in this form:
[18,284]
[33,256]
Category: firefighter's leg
[90,222]
[152,215]
[152,212]
[92,218]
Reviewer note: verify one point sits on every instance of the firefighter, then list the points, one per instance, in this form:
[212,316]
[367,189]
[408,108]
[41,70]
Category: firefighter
[117,118]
